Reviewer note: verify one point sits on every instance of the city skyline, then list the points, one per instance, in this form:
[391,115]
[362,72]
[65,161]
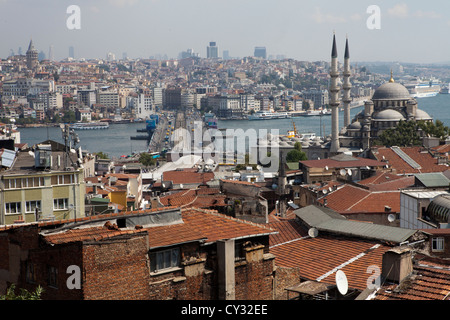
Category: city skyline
[409,31]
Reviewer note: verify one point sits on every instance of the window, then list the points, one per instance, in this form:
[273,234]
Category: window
[52,276]
[30,273]
[30,206]
[60,204]
[437,244]
[13,208]
[165,259]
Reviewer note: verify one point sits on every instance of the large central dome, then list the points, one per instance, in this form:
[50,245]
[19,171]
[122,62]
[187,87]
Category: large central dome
[391,91]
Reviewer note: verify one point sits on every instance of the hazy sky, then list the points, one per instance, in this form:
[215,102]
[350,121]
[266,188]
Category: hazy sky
[411,31]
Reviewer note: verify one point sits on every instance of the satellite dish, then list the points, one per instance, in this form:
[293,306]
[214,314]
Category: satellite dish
[330,189]
[313,232]
[326,168]
[341,282]
[181,186]
[391,217]
[349,172]
[325,191]
[342,172]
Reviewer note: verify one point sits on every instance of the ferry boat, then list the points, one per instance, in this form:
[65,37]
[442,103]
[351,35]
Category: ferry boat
[314,113]
[420,88]
[90,126]
[265,115]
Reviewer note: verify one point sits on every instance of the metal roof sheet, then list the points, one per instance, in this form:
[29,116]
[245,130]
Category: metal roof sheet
[325,219]
[434,179]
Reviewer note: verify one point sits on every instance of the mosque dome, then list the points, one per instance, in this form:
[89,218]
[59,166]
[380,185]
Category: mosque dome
[391,91]
[422,115]
[388,115]
[355,125]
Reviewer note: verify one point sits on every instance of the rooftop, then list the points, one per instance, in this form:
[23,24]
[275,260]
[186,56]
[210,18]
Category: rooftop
[324,219]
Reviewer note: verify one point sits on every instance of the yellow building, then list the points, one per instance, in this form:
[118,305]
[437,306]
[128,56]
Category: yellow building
[43,182]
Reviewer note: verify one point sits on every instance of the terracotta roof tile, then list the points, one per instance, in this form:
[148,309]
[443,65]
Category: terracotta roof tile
[319,258]
[186,177]
[424,159]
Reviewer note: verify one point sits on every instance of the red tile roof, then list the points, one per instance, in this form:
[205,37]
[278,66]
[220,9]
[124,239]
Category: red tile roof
[424,159]
[288,230]
[187,176]
[429,281]
[352,199]
[330,163]
[319,258]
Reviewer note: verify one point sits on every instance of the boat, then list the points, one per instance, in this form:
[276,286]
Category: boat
[265,115]
[445,89]
[315,113]
[90,126]
[210,120]
[421,88]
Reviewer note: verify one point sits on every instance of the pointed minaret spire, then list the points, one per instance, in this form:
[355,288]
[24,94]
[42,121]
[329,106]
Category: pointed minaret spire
[392,77]
[334,53]
[347,86]
[347,51]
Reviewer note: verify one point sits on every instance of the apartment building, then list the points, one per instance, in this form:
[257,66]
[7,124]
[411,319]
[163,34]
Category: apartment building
[43,182]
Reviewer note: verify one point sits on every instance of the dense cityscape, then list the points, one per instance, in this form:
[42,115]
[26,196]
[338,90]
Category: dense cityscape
[360,214]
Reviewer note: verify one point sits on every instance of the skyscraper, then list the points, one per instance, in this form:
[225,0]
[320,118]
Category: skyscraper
[260,52]
[72,52]
[212,51]
[51,54]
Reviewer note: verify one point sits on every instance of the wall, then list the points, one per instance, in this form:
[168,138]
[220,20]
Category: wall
[117,270]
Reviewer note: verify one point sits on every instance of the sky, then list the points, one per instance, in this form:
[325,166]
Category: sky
[409,31]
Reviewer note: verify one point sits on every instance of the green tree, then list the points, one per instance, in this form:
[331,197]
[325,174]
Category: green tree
[23,295]
[296,156]
[437,129]
[147,160]
[404,135]
[102,155]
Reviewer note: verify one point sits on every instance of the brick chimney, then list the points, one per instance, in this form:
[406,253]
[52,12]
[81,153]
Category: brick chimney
[397,264]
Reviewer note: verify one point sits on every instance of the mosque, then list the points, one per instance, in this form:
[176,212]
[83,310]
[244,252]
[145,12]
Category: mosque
[390,104]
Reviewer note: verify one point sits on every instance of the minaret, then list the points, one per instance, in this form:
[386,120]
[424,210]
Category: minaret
[347,86]
[334,99]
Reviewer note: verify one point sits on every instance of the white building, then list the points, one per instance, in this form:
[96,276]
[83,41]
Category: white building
[413,206]
[144,106]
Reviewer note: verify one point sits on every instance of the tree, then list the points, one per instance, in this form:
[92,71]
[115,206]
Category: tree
[23,295]
[297,154]
[147,160]
[102,155]
[404,135]
[437,130]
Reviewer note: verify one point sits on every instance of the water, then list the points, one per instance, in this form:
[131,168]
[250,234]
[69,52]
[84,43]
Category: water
[116,141]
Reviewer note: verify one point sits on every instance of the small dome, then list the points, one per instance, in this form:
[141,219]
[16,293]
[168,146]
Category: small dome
[355,126]
[388,115]
[391,91]
[422,115]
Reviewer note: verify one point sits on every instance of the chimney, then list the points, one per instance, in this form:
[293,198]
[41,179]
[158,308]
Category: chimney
[225,259]
[397,264]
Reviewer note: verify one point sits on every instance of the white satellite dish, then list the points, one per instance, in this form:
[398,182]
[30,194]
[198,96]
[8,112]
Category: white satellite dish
[342,172]
[391,217]
[330,189]
[325,191]
[349,172]
[326,168]
[341,282]
[313,232]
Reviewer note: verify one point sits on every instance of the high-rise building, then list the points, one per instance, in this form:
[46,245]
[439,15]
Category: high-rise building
[51,54]
[260,52]
[212,51]
[72,52]
[32,56]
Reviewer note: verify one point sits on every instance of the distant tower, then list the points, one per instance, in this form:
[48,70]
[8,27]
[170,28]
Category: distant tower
[334,99]
[212,51]
[51,54]
[347,86]
[72,52]
[32,56]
